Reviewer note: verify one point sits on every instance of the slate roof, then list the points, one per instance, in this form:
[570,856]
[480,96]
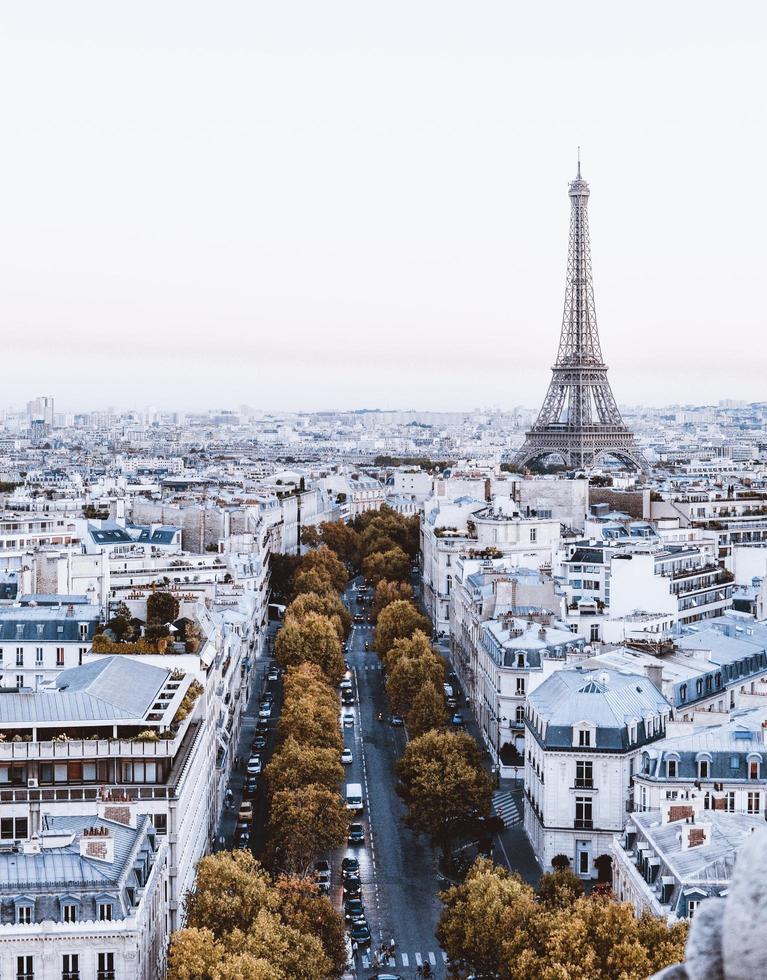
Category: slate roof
[47,624]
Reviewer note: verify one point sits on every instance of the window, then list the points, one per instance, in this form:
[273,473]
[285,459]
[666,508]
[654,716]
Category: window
[13,828]
[671,768]
[753,769]
[520,685]
[729,802]
[703,768]
[734,762]
[753,802]
[583,813]
[584,737]
[25,968]
[105,911]
[533,535]
[69,912]
[59,656]
[692,904]
[38,656]
[160,821]
[24,915]
[584,773]
[19,656]
[70,966]
[520,715]
[106,967]
[19,680]
[683,692]
[83,631]
[594,633]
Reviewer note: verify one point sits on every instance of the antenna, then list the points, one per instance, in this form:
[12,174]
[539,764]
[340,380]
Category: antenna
[579,163]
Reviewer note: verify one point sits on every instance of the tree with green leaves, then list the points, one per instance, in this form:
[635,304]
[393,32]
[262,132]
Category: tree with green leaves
[444,786]
[399,620]
[161,608]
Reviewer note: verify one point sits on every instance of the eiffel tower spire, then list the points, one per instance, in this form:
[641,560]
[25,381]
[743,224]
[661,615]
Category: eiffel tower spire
[580,421]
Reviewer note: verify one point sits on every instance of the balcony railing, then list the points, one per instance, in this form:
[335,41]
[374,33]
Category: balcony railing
[584,784]
[89,749]
[583,824]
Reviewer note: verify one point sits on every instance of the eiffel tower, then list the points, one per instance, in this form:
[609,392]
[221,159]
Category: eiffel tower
[580,421]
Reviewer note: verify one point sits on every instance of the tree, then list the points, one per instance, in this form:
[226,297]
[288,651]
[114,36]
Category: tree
[387,592]
[559,889]
[296,764]
[310,723]
[194,953]
[475,912]
[314,580]
[326,604]
[343,540]
[282,572]
[493,924]
[408,647]
[399,620]
[408,675]
[304,825]
[323,559]
[427,711]
[230,889]
[294,954]
[303,908]
[161,607]
[391,564]
[444,786]
[313,639]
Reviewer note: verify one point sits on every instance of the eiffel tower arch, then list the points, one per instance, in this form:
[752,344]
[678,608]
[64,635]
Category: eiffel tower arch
[580,421]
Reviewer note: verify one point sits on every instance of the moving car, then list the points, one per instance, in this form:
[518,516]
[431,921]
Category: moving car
[348,721]
[265,711]
[262,725]
[352,887]
[246,811]
[452,703]
[346,757]
[457,719]
[356,834]
[273,675]
[254,765]
[359,618]
[267,698]
[259,741]
[388,976]
[346,684]
[355,801]
[347,698]
[397,720]
[251,786]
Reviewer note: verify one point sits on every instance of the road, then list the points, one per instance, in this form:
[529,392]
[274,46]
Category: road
[398,870]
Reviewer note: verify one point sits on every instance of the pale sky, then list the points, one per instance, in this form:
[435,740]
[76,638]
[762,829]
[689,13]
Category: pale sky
[308,205]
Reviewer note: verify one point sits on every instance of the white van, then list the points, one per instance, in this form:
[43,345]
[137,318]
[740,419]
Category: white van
[354,801]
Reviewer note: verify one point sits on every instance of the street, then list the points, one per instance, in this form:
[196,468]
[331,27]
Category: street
[398,870]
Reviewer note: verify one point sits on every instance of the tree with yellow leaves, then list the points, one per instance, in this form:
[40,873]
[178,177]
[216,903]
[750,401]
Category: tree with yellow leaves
[312,639]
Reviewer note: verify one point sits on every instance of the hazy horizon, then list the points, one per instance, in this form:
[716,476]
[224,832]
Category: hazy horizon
[311,205]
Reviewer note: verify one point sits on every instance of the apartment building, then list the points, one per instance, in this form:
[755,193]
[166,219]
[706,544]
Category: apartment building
[584,731]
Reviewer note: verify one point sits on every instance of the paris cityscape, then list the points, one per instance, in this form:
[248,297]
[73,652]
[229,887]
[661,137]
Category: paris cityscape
[399,610]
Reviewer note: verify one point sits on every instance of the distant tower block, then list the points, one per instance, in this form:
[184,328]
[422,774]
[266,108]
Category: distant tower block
[580,421]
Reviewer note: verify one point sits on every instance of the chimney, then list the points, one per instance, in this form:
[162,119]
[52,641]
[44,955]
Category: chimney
[654,674]
[98,844]
[695,835]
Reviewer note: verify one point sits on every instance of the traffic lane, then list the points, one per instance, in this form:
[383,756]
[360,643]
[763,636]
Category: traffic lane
[406,866]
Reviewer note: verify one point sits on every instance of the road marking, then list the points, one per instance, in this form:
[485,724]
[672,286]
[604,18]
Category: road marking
[418,959]
[444,956]
[405,960]
[506,856]
[432,959]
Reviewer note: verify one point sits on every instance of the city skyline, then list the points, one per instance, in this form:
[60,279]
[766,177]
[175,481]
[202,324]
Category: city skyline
[346,208]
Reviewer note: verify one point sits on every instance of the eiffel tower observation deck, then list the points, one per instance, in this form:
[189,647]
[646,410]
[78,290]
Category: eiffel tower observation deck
[580,422]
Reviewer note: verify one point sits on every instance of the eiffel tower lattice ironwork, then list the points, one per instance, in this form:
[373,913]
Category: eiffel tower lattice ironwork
[580,421]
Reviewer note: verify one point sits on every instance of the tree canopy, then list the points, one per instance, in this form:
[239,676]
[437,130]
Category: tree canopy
[312,639]
[326,604]
[161,608]
[387,592]
[390,564]
[494,924]
[304,824]
[399,620]
[444,785]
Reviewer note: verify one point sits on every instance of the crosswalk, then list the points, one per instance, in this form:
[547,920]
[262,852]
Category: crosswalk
[404,960]
[507,807]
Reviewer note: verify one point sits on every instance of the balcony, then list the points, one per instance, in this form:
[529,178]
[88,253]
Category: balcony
[584,784]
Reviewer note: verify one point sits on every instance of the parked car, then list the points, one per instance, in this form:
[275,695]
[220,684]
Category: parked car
[352,887]
[457,719]
[356,834]
[397,721]
[265,711]
[360,933]
[346,684]
[260,741]
[346,757]
[254,765]
[262,725]
[350,866]
[347,698]
[452,703]
[267,697]
[246,811]
[354,910]
[322,873]
[273,675]
[348,721]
